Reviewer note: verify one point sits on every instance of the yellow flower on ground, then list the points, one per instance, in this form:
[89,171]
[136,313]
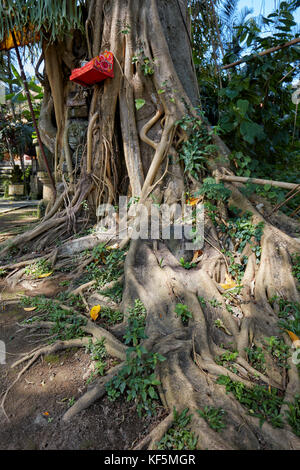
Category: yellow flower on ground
[45,275]
[94,313]
[193,201]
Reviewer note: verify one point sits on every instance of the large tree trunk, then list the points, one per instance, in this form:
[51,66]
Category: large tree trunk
[125,153]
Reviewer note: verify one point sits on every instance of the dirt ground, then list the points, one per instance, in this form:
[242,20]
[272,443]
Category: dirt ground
[17,221]
[50,386]
[36,403]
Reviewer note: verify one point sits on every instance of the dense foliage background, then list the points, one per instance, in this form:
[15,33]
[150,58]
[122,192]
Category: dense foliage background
[251,104]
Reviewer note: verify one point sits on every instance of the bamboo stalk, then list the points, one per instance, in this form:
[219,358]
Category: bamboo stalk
[267,51]
[242,179]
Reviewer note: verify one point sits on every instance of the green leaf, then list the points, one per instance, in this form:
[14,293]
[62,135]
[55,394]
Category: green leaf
[243,106]
[139,103]
[33,87]
[251,131]
[152,392]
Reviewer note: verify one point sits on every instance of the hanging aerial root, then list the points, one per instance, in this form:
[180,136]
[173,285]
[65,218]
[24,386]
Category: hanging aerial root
[147,127]
[90,142]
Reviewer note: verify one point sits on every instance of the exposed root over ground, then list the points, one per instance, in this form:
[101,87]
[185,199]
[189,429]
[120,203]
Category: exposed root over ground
[204,339]
[221,322]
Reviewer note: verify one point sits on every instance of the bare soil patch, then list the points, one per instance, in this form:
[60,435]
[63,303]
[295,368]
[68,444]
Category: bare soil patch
[36,404]
[17,221]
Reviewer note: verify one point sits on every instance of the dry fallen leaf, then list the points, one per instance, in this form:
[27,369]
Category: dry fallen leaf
[229,284]
[197,254]
[113,247]
[94,312]
[295,339]
[192,201]
[45,275]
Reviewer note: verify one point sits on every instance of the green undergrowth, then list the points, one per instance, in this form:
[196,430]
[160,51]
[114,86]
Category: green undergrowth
[199,147]
[256,358]
[261,402]
[279,351]
[137,377]
[227,360]
[178,436]
[214,417]
[296,267]
[264,403]
[288,313]
[289,320]
[98,354]
[183,312]
[110,317]
[108,264]
[240,230]
[114,293]
[293,415]
[213,190]
[66,323]
[38,268]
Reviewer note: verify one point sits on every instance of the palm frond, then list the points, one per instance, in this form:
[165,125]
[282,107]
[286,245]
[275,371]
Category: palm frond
[228,11]
[243,15]
[51,18]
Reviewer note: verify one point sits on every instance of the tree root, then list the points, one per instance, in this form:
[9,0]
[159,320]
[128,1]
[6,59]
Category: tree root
[150,441]
[188,383]
[34,355]
[96,391]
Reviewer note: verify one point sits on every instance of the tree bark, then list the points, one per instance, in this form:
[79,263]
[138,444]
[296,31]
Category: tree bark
[126,144]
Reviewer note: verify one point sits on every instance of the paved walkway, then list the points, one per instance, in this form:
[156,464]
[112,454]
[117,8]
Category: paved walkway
[8,206]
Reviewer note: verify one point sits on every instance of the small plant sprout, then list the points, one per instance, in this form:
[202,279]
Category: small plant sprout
[214,417]
[183,312]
